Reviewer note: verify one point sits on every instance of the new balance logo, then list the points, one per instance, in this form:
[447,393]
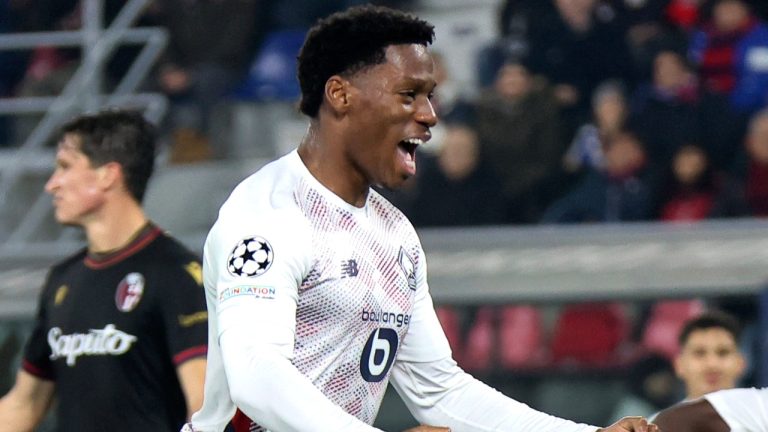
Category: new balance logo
[349,268]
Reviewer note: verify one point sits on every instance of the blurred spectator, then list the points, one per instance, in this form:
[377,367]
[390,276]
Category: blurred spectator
[204,61]
[515,20]
[731,52]
[690,190]
[645,28]
[576,48]
[664,111]
[624,191]
[455,187]
[609,112]
[709,358]
[746,190]
[518,127]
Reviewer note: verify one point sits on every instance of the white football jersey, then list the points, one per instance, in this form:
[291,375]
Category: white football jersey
[315,304]
[743,410]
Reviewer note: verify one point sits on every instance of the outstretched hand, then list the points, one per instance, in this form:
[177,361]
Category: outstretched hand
[424,428]
[631,424]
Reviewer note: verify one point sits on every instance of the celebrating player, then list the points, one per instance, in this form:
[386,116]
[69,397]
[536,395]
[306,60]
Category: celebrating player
[120,335]
[316,285]
[734,410]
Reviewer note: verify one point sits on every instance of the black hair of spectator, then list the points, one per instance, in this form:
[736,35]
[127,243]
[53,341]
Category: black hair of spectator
[121,136]
[709,320]
[349,41]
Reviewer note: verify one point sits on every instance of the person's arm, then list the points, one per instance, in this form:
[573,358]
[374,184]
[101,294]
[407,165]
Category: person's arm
[191,375]
[25,405]
[696,416]
[437,392]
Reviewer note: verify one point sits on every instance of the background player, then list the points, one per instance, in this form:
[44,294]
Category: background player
[120,335]
[709,358]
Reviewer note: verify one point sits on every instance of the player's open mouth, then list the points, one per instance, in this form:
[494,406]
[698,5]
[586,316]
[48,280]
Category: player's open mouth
[407,149]
[409,146]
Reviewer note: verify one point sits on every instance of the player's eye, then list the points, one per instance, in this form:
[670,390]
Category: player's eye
[409,94]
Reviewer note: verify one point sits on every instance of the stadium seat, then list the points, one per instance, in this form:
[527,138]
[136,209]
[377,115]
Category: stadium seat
[478,353]
[272,75]
[665,322]
[590,334]
[521,338]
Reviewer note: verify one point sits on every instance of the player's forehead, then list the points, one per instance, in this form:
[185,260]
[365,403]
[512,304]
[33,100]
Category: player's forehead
[710,337]
[404,62]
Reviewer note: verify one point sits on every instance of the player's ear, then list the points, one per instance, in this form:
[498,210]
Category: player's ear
[337,93]
[110,175]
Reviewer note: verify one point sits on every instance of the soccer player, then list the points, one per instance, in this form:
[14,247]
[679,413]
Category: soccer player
[120,336]
[709,358]
[316,285]
[733,410]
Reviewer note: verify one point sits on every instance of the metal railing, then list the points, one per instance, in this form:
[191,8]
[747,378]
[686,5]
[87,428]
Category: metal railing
[82,93]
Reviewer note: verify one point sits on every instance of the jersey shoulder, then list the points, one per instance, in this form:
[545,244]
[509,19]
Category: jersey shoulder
[66,263]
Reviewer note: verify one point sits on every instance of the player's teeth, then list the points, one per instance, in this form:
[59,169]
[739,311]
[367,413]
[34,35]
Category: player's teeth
[414,141]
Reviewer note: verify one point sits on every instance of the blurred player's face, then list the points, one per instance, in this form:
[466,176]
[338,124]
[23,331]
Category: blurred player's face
[709,361]
[74,184]
[391,115]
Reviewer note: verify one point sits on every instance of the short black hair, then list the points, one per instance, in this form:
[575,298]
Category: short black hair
[349,41]
[708,320]
[121,136]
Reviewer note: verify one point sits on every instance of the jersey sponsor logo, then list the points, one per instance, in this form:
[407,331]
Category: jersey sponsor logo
[396,319]
[378,354]
[61,293]
[408,267]
[250,257]
[129,292]
[107,341]
[349,268]
[260,292]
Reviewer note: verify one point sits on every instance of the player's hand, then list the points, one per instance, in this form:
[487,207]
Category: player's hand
[631,424]
[424,428]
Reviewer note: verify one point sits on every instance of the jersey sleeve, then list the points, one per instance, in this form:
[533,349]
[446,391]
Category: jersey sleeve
[183,309]
[437,392]
[257,264]
[742,409]
[37,352]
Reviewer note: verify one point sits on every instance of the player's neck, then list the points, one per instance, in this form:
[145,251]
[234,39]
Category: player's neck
[115,227]
[322,159]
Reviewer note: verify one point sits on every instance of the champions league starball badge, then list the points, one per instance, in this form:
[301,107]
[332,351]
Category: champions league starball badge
[250,257]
